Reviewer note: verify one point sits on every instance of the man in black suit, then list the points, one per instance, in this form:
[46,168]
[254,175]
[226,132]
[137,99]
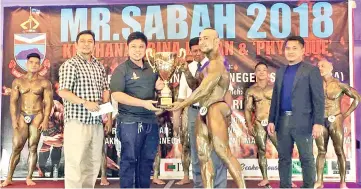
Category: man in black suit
[296,113]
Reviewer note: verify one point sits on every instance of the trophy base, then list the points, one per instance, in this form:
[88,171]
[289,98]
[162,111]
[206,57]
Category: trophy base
[165,102]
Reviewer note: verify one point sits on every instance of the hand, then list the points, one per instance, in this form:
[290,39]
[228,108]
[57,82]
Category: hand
[176,106]
[271,129]
[7,91]
[105,118]
[111,164]
[148,104]
[91,106]
[317,130]
[158,113]
[108,127]
[44,125]
[159,84]
[251,130]
[183,65]
[15,125]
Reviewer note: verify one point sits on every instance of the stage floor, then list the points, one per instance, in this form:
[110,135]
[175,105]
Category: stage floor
[169,184]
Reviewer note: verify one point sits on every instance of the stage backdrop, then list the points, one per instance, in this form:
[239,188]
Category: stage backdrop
[250,32]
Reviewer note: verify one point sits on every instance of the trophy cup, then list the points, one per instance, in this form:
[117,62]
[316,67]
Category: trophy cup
[165,63]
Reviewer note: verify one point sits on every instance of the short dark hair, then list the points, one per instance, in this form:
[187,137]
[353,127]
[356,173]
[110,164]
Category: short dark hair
[260,63]
[193,41]
[295,38]
[33,55]
[85,32]
[137,35]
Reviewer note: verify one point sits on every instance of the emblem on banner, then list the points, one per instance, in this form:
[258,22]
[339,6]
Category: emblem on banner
[29,42]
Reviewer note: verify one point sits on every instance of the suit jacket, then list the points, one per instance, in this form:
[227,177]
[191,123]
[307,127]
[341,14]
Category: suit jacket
[308,100]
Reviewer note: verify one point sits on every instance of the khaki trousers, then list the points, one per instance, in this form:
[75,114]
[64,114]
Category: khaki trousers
[83,153]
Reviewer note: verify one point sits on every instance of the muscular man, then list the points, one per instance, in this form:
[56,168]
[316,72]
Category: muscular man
[334,91]
[258,101]
[189,81]
[213,120]
[36,98]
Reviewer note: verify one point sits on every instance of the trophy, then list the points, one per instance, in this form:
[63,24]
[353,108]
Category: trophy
[165,63]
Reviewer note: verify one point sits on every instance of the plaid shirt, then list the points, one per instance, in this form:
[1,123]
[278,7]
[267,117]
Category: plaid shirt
[87,80]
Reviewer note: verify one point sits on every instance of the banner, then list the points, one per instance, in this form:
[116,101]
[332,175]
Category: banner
[249,32]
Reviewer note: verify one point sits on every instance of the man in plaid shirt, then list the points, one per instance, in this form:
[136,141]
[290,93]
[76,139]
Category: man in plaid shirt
[83,87]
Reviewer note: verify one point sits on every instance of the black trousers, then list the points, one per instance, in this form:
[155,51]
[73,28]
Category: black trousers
[287,135]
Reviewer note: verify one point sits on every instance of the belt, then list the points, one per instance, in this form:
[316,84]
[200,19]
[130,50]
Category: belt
[286,113]
[195,107]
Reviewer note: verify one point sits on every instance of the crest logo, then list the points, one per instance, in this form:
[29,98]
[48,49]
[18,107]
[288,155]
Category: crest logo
[29,42]
[135,77]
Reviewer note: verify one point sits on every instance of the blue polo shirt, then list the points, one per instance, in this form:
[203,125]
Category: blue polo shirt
[287,86]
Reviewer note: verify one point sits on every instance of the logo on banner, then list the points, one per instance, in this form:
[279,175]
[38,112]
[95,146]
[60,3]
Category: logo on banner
[172,167]
[335,170]
[297,168]
[29,42]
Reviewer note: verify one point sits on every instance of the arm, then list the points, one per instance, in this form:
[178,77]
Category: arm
[123,98]
[352,93]
[206,87]
[14,97]
[48,100]
[273,108]
[191,81]
[228,96]
[318,97]
[248,109]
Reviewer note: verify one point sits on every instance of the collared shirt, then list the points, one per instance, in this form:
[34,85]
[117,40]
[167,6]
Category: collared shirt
[287,86]
[184,90]
[137,82]
[88,81]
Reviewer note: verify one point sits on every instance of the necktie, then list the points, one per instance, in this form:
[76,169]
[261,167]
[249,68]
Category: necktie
[199,74]
[199,65]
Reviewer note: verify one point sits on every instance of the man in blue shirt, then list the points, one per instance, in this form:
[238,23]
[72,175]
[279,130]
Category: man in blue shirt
[296,113]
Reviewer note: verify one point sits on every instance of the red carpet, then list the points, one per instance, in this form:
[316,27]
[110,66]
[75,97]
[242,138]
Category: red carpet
[170,184]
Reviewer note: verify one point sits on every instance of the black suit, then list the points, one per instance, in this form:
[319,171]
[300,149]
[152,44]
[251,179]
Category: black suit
[308,104]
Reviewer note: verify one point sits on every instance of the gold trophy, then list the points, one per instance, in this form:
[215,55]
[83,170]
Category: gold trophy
[165,63]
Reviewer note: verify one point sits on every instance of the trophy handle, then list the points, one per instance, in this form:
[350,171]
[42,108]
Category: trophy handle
[182,54]
[147,52]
